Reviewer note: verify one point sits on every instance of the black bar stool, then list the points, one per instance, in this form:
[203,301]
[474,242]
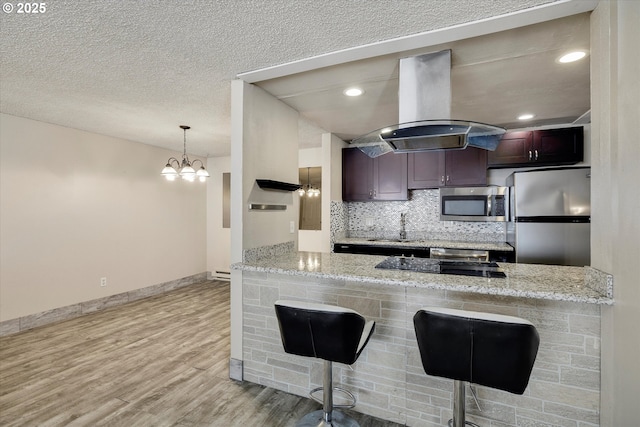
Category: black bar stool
[327,332]
[492,350]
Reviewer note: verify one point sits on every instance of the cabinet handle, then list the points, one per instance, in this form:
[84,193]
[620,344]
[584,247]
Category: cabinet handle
[536,154]
[530,155]
[442,179]
[374,194]
[447,178]
[371,194]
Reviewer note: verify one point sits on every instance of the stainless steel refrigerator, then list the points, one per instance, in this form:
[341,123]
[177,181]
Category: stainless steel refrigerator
[550,216]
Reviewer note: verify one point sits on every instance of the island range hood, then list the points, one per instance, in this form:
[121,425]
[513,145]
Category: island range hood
[424,113]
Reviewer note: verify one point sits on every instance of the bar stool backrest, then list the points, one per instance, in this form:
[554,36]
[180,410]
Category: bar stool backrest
[487,349]
[324,331]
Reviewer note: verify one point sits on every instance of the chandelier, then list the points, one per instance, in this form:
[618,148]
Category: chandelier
[184,169]
[310,191]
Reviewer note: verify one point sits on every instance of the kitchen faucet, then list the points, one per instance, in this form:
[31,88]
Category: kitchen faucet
[403,231]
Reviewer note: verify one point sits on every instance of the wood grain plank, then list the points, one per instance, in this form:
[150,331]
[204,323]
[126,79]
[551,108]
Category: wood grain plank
[158,361]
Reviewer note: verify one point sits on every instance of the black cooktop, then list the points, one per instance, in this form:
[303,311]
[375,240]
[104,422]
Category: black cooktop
[442,266]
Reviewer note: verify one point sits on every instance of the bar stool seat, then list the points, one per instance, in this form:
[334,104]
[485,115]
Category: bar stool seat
[487,349]
[330,333]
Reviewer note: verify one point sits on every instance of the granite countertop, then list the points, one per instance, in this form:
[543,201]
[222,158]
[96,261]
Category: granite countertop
[546,282]
[451,244]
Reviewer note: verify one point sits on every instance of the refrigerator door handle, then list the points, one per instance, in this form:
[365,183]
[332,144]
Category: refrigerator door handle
[560,219]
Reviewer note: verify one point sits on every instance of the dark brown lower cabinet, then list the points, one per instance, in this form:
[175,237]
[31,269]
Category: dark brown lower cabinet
[417,251]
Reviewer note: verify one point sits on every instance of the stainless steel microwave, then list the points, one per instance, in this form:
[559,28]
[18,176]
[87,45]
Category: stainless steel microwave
[474,204]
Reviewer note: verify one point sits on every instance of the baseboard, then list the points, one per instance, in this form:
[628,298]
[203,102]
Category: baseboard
[31,321]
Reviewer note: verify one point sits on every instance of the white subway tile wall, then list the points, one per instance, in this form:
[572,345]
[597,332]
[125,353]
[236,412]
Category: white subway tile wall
[388,378]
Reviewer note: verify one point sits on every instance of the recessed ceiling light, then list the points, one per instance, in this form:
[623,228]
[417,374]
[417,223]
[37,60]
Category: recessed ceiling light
[525,116]
[353,91]
[572,56]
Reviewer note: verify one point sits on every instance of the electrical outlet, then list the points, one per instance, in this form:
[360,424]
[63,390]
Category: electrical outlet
[292,227]
[368,222]
[103,281]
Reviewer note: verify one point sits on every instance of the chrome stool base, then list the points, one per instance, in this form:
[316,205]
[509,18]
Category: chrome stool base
[459,413]
[317,419]
[349,396]
[329,333]
[328,416]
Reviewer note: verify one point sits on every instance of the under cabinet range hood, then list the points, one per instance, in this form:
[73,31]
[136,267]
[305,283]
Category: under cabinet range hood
[424,97]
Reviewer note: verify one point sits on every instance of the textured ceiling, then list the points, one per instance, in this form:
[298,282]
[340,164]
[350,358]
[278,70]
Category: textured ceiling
[137,70]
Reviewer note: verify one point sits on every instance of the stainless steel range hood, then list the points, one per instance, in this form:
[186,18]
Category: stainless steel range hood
[424,113]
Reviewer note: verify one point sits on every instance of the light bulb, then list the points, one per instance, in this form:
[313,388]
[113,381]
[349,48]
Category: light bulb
[169,171]
[354,91]
[526,116]
[202,174]
[572,56]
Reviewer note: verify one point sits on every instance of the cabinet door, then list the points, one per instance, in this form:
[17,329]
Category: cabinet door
[558,146]
[426,170]
[357,175]
[514,148]
[466,167]
[390,177]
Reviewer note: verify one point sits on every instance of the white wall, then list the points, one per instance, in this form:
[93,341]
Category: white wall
[332,174]
[332,153]
[218,238]
[264,144]
[77,206]
[269,150]
[329,157]
[615,67]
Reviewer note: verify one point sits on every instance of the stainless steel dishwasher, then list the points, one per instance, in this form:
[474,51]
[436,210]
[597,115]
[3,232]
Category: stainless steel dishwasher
[459,254]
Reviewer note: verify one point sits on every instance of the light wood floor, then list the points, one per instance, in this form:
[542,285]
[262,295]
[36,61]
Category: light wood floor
[161,361]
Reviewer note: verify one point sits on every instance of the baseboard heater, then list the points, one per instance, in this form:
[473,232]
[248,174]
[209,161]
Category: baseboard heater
[221,275]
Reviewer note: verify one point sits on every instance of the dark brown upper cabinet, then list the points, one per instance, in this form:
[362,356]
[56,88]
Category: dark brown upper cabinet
[370,179]
[433,169]
[548,147]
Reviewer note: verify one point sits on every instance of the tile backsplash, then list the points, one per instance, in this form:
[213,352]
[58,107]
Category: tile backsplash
[382,220]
